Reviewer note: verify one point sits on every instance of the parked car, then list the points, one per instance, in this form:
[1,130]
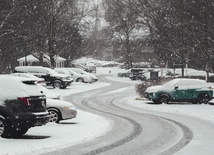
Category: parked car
[31,76]
[58,109]
[137,76]
[76,76]
[125,73]
[89,69]
[82,72]
[52,78]
[130,71]
[181,90]
[20,107]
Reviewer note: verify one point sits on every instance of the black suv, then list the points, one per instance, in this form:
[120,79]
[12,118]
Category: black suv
[20,107]
[52,78]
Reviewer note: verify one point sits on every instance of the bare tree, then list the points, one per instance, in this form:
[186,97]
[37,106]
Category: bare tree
[125,23]
[180,31]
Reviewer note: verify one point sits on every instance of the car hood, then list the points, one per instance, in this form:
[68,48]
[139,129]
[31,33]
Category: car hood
[58,103]
[153,88]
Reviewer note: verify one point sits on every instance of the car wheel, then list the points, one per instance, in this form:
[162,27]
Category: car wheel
[63,86]
[164,99]
[57,84]
[19,133]
[5,128]
[194,102]
[80,79]
[54,115]
[204,98]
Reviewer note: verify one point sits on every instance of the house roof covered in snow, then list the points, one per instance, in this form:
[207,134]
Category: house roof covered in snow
[31,58]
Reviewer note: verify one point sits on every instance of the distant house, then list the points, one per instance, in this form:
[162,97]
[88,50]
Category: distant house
[30,60]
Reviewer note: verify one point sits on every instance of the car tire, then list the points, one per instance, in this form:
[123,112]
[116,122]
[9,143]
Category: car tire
[164,99]
[19,133]
[54,115]
[156,102]
[194,102]
[80,79]
[57,84]
[203,98]
[5,128]
[63,86]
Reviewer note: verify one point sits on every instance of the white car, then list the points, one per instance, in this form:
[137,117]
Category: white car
[31,76]
[76,76]
[58,109]
[90,68]
[80,71]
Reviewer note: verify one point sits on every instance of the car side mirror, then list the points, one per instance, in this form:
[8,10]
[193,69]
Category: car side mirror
[176,87]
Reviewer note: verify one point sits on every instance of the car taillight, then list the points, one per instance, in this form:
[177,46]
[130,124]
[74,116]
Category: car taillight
[27,101]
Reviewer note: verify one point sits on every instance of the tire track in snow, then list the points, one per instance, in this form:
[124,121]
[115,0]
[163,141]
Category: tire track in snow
[137,130]
[185,140]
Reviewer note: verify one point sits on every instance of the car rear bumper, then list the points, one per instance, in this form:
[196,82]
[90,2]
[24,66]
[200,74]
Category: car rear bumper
[30,119]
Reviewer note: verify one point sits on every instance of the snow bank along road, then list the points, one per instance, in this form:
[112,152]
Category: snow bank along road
[136,131]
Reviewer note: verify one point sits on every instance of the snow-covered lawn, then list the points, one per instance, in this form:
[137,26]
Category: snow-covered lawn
[203,111]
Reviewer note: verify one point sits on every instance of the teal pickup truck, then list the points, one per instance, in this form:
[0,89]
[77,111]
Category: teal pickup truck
[181,90]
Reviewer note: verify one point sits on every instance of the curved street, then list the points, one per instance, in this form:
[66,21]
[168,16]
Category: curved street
[137,131]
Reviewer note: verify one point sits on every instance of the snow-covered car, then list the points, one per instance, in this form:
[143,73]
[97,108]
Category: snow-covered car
[58,109]
[21,107]
[181,90]
[52,78]
[90,69]
[82,72]
[31,76]
[76,76]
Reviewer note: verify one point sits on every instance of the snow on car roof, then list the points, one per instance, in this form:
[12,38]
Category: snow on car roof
[38,69]
[188,81]
[39,88]
[12,87]
[27,75]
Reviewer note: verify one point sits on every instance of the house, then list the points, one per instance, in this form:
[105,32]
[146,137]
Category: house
[30,59]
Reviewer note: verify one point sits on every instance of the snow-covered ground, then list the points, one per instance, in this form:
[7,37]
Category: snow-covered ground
[54,136]
[88,126]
